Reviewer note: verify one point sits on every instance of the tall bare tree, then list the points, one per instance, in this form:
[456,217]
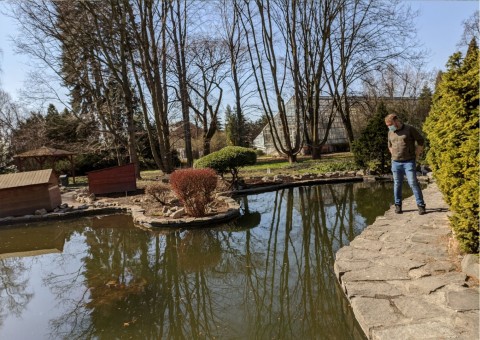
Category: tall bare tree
[367,36]
[306,28]
[148,48]
[240,72]
[178,35]
[267,57]
[110,22]
[207,60]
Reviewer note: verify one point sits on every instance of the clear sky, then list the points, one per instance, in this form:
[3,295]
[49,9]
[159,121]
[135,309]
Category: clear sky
[439,29]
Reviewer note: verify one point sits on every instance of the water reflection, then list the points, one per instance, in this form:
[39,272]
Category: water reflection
[267,275]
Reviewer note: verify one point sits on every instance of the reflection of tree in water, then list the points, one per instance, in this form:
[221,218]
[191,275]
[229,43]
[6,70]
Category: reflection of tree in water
[270,278]
[199,251]
[294,292]
[140,285]
[373,198]
[14,297]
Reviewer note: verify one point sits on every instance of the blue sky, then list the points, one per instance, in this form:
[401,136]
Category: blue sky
[439,29]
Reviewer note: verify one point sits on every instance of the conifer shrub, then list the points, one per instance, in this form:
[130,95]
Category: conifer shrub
[452,129]
[159,191]
[194,188]
[228,160]
[370,150]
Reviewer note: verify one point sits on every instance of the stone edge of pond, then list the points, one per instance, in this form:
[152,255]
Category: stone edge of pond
[137,213]
[149,222]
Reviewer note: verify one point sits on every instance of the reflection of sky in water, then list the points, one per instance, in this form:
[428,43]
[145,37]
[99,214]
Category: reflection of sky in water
[107,279]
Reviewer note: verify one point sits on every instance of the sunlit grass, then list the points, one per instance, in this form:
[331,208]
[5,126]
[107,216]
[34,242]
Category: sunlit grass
[266,166]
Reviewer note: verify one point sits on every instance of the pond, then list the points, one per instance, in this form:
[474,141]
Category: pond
[268,275]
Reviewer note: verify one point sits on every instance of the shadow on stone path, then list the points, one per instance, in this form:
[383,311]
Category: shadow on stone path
[401,280]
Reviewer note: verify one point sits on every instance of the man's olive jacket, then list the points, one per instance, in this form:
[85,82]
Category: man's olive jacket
[402,143]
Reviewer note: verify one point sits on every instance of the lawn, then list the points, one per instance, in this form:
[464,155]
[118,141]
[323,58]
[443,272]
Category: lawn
[269,166]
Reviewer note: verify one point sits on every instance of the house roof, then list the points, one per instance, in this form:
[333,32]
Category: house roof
[44,151]
[22,179]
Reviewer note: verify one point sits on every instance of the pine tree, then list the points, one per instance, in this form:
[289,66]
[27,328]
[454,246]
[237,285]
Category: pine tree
[371,148]
[231,126]
[452,129]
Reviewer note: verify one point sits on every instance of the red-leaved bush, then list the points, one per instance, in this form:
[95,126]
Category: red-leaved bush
[194,188]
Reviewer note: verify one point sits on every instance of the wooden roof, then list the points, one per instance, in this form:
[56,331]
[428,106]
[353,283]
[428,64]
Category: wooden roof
[22,179]
[44,151]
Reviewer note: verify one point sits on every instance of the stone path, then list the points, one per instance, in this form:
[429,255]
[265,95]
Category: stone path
[403,283]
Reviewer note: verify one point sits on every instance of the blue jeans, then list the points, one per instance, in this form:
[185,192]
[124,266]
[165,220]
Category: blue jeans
[399,170]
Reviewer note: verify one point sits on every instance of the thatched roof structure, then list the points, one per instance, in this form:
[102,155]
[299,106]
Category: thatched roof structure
[43,155]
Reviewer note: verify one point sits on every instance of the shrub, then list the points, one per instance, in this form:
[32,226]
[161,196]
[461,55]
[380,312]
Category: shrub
[371,149]
[452,130]
[228,160]
[159,191]
[194,188]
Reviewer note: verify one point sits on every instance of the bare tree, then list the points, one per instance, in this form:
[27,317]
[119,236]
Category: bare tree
[367,35]
[111,49]
[471,29]
[306,28]
[149,64]
[208,59]
[267,57]
[9,119]
[178,35]
[240,73]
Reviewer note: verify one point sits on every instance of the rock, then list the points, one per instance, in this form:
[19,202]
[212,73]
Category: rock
[83,207]
[360,173]
[437,329]
[464,300]
[40,212]
[470,265]
[63,206]
[178,213]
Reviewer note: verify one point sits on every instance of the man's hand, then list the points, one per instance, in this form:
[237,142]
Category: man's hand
[418,150]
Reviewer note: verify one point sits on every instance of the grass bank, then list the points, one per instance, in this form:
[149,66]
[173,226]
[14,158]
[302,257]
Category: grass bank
[269,166]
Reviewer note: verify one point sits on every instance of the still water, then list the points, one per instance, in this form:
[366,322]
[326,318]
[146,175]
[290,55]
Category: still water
[268,275]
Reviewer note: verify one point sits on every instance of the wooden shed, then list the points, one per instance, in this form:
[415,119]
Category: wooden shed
[115,179]
[24,192]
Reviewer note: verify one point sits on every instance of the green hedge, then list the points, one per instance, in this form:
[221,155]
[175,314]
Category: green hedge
[371,148]
[228,160]
[452,130]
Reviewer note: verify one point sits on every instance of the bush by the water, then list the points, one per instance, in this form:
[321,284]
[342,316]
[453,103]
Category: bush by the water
[228,160]
[194,188]
[452,129]
[159,191]
[371,149]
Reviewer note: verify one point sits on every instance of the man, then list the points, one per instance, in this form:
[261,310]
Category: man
[401,143]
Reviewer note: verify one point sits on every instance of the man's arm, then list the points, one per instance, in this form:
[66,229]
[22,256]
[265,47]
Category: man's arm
[420,142]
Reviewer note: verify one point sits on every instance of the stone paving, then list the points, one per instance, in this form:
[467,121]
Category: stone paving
[402,280]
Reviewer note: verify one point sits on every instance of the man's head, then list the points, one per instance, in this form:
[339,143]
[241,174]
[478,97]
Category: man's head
[393,122]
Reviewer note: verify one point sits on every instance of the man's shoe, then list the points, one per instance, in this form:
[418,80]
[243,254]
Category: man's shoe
[421,210]
[398,209]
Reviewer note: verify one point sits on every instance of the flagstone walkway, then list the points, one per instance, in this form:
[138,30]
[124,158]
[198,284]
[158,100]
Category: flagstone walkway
[403,281]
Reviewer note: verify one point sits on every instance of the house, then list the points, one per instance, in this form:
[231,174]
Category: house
[337,137]
[24,192]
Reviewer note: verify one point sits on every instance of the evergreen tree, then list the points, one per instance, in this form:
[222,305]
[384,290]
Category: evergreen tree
[230,126]
[423,107]
[371,148]
[452,129]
